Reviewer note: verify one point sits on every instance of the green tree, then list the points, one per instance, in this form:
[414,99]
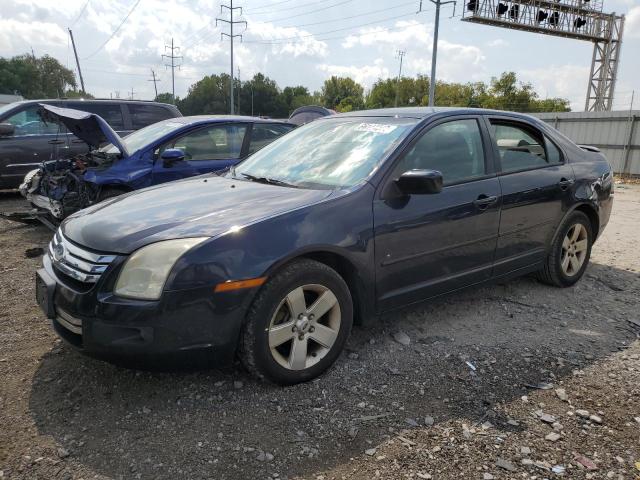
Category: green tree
[294,97]
[33,77]
[207,96]
[266,97]
[165,97]
[77,94]
[410,92]
[337,89]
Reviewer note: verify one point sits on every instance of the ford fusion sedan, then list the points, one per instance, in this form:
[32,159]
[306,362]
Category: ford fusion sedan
[345,218]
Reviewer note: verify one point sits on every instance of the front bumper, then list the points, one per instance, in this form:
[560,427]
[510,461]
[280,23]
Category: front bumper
[187,326]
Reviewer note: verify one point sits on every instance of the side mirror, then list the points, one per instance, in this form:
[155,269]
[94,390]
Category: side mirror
[7,129]
[171,155]
[420,182]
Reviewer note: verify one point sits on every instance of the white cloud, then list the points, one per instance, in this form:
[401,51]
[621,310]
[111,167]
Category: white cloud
[498,42]
[632,23]
[288,41]
[365,75]
[17,37]
[402,35]
[566,81]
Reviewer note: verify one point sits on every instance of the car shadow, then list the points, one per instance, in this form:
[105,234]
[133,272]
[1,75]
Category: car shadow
[467,353]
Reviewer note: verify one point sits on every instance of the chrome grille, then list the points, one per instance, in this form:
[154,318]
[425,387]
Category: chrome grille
[76,262]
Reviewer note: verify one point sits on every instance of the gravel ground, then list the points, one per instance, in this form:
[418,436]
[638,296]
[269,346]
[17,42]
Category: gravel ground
[465,398]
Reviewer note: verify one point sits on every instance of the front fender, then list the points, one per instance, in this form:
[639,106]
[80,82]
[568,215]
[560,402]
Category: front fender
[133,172]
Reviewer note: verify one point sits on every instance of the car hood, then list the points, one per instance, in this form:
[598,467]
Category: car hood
[89,127]
[201,206]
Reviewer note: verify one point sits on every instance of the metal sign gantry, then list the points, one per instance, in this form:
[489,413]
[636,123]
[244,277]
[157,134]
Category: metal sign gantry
[576,19]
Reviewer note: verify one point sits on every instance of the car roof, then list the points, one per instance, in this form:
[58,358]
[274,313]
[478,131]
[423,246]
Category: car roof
[225,118]
[424,112]
[94,100]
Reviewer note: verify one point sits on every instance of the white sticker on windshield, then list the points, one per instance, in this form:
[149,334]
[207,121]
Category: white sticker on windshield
[375,128]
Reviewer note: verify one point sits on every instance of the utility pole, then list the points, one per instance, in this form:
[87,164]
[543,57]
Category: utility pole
[154,79]
[231,36]
[173,66]
[132,93]
[400,54]
[434,54]
[73,43]
[239,88]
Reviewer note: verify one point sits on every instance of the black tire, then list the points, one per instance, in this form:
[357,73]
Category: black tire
[552,272]
[106,193]
[254,349]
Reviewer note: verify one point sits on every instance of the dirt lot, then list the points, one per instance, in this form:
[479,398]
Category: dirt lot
[487,379]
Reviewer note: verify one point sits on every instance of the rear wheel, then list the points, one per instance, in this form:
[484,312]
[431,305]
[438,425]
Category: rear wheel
[298,324]
[570,252]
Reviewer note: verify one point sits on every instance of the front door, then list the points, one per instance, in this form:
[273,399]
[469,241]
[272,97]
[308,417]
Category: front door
[536,189]
[206,149]
[426,245]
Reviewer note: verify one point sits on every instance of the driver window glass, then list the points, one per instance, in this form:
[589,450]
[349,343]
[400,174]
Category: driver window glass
[453,148]
[220,142]
[28,122]
[521,148]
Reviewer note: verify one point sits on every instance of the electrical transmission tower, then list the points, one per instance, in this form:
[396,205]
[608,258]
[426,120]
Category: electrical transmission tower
[231,22]
[154,79]
[399,54]
[575,19]
[173,66]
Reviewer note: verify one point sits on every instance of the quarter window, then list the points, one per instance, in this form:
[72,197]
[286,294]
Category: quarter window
[521,148]
[220,142]
[265,133]
[453,148]
[143,115]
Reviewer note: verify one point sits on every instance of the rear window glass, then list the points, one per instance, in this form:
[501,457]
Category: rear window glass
[143,115]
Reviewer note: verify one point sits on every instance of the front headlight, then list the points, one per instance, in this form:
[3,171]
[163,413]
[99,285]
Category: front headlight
[145,272]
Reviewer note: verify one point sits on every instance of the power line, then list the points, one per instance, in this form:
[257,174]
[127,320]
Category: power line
[309,12]
[115,31]
[231,36]
[80,14]
[300,37]
[302,5]
[173,66]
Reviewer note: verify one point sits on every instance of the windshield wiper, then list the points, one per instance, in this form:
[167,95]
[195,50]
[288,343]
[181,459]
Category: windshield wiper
[271,181]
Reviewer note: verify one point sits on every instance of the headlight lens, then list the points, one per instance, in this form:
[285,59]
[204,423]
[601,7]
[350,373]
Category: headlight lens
[145,272]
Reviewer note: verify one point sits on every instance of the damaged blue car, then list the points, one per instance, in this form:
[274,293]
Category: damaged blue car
[168,150]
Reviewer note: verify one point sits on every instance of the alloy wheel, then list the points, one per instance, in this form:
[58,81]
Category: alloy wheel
[574,249]
[304,327]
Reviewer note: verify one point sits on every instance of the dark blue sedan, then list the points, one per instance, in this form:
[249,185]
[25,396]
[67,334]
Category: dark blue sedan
[344,218]
[168,150]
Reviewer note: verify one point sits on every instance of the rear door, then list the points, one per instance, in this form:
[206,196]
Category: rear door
[426,245]
[111,112]
[141,114]
[536,189]
[206,149]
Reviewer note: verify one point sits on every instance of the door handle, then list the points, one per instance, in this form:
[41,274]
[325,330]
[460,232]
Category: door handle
[564,183]
[483,201]
[56,142]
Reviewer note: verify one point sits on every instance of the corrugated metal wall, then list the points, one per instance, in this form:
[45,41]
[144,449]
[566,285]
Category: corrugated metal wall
[617,134]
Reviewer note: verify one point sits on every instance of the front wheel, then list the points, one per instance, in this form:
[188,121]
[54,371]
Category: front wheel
[570,252]
[298,323]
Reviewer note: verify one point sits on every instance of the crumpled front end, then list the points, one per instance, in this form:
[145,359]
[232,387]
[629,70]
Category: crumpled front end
[59,188]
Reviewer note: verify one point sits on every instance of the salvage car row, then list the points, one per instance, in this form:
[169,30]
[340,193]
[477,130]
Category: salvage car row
[347,217]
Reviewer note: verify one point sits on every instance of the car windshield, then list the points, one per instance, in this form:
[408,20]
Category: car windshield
[329,153]
[143,137]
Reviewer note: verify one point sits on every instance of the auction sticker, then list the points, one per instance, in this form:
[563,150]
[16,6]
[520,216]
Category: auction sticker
[375,128]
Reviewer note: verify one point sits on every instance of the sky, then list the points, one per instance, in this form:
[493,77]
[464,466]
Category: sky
[301,42]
